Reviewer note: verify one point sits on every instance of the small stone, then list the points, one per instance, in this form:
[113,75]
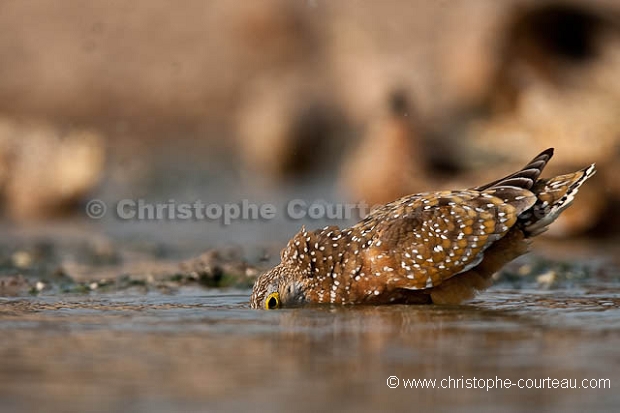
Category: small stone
[22,259]
[547,279]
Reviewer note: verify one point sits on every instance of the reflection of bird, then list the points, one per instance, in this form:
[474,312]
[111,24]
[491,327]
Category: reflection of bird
[436,247]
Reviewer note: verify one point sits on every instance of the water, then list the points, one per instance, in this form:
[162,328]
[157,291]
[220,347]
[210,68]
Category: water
[207,351]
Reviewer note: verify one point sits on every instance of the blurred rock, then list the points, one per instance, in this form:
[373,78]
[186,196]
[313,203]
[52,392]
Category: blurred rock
[219,268]
[286,113]
[372,46]
[389,161]
[548,43]
[31,269]
[287,130]
[170,84]
[13,285]
[552,61]
[98,252]
[556,85]
[47,170]
[274,33]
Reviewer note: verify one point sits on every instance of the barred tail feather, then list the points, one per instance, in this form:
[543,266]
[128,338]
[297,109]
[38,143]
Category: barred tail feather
[554,196]
[526,177]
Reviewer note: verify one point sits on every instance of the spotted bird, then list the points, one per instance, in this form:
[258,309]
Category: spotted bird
[433,247]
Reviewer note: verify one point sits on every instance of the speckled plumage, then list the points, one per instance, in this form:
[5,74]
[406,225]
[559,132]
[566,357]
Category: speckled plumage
[437,247]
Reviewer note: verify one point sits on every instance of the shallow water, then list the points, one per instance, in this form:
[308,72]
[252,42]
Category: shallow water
[204,351]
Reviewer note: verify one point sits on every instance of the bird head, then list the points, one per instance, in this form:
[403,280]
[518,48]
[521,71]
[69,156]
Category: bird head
[278,287]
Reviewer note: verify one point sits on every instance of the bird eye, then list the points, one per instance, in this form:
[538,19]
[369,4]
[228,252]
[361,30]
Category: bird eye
[272,301]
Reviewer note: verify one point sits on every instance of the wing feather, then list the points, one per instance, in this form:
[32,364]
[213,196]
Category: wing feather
[438,235]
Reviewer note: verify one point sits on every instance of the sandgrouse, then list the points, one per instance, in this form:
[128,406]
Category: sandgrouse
[433,247]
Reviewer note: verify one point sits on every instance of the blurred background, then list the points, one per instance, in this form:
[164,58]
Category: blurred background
[270,101]
[274,100]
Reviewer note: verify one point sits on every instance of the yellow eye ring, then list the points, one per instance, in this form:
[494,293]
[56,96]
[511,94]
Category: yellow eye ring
[272,301]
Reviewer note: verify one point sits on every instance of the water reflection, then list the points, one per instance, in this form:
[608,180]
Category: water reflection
[196,352]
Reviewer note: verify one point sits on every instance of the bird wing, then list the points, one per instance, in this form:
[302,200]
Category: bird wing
[422,240]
